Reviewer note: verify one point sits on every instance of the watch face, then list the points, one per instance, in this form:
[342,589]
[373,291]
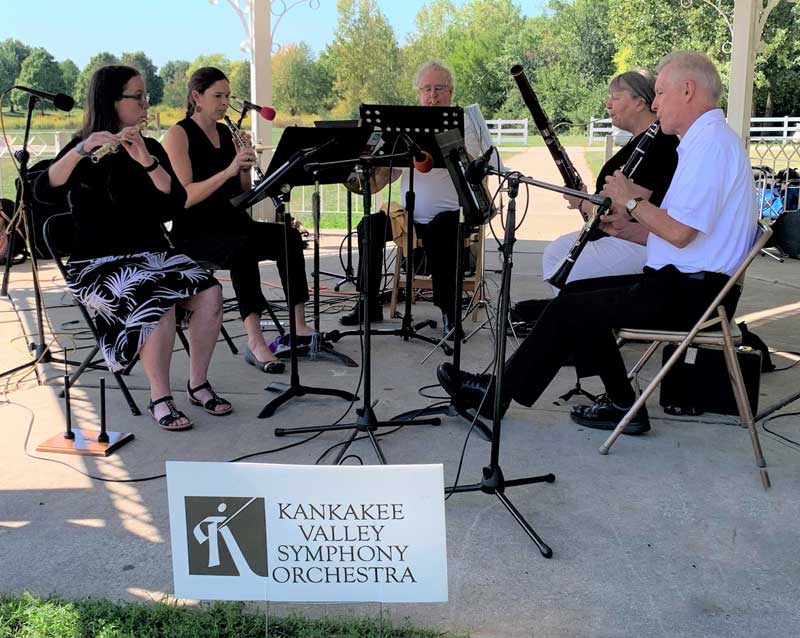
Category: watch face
[631,204]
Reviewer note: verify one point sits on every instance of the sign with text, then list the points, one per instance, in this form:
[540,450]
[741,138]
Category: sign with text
[247,531]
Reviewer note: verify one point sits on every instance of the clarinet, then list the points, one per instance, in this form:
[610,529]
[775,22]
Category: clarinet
[565,166]
[559,278]
[237,137]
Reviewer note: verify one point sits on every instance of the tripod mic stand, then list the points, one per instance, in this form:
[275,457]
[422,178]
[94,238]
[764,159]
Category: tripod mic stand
[23,215]
[493,481]
[367,423]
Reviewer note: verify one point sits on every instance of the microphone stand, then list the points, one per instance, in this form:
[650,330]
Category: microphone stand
[493,481]
[40,351]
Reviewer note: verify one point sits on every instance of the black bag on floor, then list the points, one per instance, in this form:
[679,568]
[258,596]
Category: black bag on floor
[699,383]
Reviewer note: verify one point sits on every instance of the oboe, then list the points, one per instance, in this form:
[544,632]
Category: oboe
[565,166]
[112,147]
[559,279]
[237,137]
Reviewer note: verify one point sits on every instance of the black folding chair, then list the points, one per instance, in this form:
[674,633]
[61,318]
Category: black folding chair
[57,232]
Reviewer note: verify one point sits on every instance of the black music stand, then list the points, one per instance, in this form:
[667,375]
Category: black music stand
[420,125]
[367,423]
[296,146]
[349,273]
[477,210]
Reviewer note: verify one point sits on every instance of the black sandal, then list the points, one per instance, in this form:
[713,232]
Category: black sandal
[169,421]
[214,402]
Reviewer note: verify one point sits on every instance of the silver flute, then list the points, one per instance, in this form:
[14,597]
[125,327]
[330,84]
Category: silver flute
[112,147]
[240,143]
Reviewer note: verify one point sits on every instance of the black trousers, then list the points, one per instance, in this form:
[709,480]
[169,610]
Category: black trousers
[240,252]
[583,321]
[439,239]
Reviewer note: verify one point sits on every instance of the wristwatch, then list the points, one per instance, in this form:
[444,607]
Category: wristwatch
[152,166]
[631,204]
[80,149]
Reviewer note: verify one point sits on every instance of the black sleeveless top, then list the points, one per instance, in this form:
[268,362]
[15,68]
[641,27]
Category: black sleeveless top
[215,213]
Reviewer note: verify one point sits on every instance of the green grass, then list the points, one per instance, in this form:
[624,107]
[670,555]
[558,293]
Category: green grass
[595,159]
[28,616]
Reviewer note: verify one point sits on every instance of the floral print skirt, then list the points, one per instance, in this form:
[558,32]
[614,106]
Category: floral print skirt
[128,295]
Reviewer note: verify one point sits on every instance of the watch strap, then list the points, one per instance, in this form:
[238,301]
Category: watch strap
[153,165]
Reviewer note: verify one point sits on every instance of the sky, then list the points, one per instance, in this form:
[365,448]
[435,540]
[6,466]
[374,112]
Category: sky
[177,29]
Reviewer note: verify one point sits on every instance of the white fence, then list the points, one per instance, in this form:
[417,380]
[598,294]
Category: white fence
[508,131]
[761,128]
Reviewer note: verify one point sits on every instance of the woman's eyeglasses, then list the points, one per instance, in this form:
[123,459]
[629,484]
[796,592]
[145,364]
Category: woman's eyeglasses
[141,98]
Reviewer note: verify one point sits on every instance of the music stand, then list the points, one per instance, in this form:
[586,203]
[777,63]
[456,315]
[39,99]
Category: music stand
[296,146]
[367,423]
[420,125]
[349,273]
[476,210]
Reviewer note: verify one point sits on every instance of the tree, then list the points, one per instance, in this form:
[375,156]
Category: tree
[174,76]
[142,63]
[82,83]
[12,53]
[364,56]
[39,70]
[70,73]
[299,83]
[212,59]
[239,78]
[430,39]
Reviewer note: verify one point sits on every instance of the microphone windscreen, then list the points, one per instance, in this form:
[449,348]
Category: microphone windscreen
[268,113]
[426,164]
[63,102]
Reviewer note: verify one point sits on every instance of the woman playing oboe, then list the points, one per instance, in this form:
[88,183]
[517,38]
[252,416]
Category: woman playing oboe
[122,267]
[213,170]
[622,252]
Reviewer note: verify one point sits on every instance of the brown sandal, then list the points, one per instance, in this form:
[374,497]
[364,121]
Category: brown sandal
[169,421]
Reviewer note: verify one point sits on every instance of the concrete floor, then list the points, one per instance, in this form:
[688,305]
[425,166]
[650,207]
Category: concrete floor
[672,534]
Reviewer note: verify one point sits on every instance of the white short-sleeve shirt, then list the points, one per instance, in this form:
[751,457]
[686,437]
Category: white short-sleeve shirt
[713,192]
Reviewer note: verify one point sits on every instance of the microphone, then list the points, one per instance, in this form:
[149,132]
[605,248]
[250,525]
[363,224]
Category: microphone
[267,112]
[422,160]
[60,101]
[477,169]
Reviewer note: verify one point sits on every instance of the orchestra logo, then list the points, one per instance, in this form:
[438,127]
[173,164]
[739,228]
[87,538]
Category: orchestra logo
[226,535]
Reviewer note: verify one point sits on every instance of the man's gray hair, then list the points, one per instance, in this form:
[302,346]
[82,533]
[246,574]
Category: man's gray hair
[698,66]
[437,65]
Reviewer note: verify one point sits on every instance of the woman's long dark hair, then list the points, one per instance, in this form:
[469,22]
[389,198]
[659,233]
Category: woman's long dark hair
[105,89]
[201,79]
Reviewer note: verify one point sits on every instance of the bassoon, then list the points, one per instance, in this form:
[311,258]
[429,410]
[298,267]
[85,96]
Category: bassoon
[559,278]
[565,166]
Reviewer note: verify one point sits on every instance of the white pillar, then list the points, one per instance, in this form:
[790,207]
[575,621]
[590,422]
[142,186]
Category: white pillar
[261,89]
[261,67]
[746,37]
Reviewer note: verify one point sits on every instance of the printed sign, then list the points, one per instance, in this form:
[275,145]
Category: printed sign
[308,533]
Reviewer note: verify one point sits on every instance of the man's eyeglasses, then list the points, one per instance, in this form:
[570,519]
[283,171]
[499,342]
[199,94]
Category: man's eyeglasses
[141,98]
[436,88]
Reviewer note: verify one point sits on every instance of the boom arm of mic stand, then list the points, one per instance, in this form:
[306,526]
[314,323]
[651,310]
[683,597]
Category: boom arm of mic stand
[597,200]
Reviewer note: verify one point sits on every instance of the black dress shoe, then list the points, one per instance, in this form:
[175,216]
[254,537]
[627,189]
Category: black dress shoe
[448,323]
[468,389]
[604,415]
[353,317]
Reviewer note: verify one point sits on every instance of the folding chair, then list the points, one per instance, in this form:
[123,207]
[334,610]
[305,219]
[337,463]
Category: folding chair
[728,337]
[57,232]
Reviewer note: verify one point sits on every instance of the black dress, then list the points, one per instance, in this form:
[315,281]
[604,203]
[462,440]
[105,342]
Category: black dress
[122,266]
[213,230]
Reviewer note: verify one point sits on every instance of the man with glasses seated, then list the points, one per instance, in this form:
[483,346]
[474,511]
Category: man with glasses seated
[435,216]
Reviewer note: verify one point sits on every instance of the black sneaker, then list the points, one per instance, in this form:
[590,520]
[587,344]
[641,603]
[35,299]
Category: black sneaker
[468,389]
[353,317]
[604,415]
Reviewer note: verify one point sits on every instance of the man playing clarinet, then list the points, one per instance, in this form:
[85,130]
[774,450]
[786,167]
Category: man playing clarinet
[698,236]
